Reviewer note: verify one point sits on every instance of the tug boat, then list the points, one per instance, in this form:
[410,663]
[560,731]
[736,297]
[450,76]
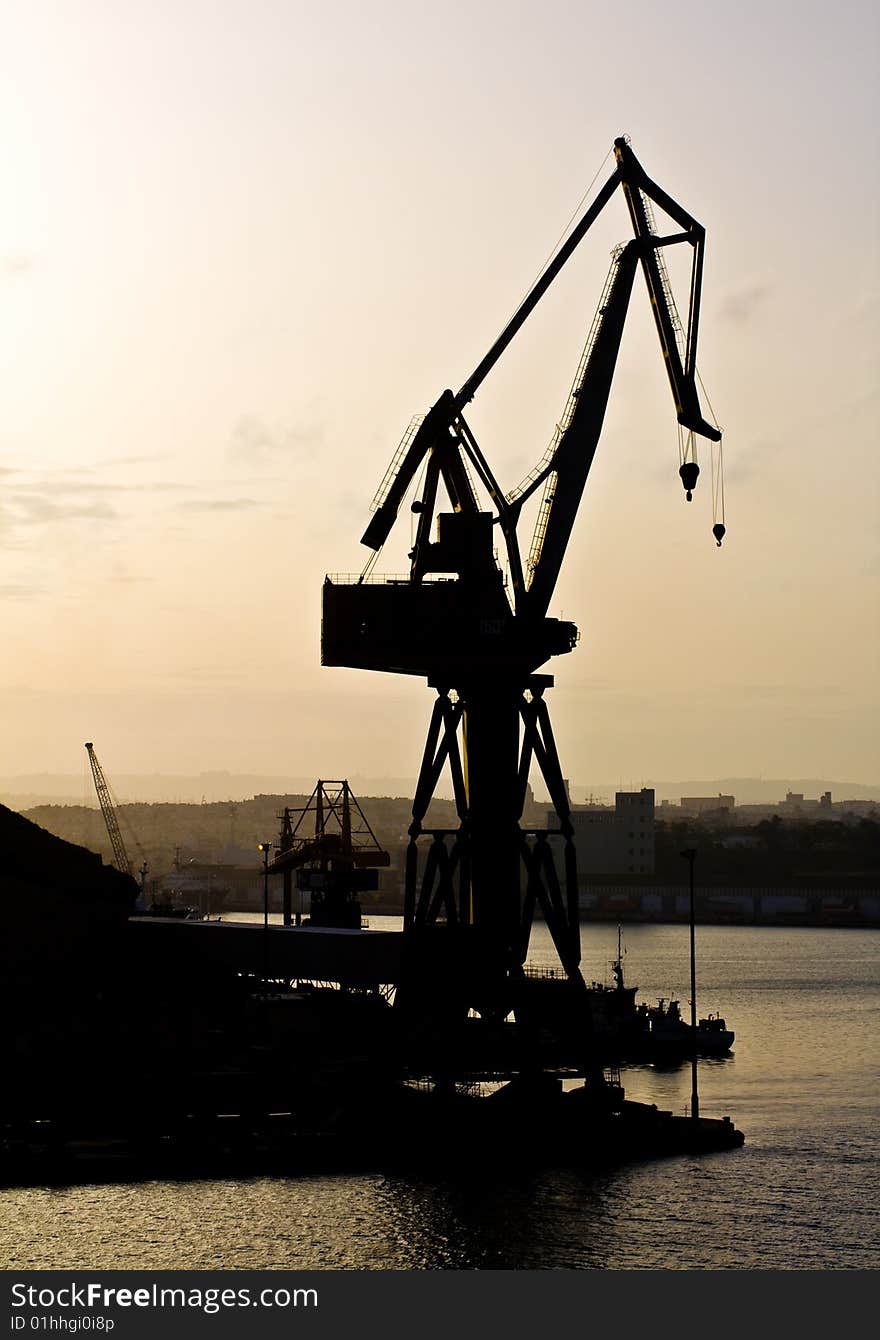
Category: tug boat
[670,1038]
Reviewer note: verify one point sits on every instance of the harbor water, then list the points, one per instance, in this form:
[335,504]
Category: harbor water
[802,1082]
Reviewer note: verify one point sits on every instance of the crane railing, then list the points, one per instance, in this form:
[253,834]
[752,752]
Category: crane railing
[540,471]
[542,522]
[677,326]
[550,475]
[396,460]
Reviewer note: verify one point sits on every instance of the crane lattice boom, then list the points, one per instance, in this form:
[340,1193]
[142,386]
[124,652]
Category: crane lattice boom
[108,809]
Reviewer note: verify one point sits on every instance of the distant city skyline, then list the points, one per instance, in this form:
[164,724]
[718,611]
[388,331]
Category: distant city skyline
[242,244]
[220,787]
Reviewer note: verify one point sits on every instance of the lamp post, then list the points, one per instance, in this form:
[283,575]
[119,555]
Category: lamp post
[690,856]
[265,848]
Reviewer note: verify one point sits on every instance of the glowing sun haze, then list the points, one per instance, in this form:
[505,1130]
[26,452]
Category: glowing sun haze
[242,242]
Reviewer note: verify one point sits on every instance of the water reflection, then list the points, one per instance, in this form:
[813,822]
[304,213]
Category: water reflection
[803,1193]
[552,1221]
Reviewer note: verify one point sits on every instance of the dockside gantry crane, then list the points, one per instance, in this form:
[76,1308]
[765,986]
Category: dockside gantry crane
[334,853]
[469,904]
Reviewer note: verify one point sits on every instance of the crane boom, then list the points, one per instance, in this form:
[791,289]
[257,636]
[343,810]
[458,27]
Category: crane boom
[570,464]
[441,431]
[108,809]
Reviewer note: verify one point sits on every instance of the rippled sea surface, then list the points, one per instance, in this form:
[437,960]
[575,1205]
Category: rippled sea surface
[803,1083]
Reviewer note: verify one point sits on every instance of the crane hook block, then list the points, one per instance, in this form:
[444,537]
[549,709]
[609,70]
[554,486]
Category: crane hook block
[689,473]
[718,532]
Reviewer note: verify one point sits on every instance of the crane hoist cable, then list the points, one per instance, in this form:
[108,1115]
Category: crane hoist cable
[717,463]
[718,527]
[708,401]
[687,459]
[689,468]
[562,236]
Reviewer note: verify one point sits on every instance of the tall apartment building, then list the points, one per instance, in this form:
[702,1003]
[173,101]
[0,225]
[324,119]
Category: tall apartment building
[617,841]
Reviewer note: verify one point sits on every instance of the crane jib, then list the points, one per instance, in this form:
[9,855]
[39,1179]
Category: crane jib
[678,347]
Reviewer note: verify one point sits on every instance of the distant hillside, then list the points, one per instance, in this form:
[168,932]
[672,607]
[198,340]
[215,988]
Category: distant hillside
[30,789]
[25,791]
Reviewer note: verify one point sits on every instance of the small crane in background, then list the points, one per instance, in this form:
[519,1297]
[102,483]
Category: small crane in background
[121,858]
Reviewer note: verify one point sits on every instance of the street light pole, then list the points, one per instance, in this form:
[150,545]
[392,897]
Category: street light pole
[265,848]
[690,856]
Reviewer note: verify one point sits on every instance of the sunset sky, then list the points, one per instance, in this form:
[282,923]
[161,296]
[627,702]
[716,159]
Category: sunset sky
[242,242]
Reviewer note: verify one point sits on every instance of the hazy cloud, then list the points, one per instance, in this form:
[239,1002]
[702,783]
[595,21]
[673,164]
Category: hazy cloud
[36,509]
[741,306]
[254,442]
[219,504]
[18,591]
[17,263]
[126,578]
[804,690]
[203,674]
[61,485]
[865,310]
[72,495]
[135,460]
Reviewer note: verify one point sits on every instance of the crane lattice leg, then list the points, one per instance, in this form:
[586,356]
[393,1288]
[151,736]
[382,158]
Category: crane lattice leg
[443,891]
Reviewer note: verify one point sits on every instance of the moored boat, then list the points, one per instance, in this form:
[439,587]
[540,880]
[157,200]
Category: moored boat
[670,1037]
[623,1030]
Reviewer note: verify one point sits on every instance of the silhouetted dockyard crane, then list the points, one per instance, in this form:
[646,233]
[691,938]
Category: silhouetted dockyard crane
[121,858]
[469,904]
